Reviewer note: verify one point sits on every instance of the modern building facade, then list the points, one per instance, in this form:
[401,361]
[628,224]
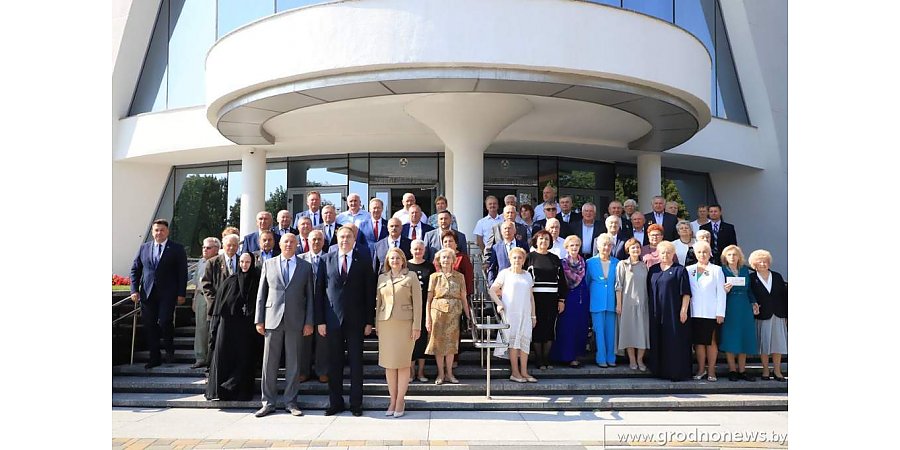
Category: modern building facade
[222,108]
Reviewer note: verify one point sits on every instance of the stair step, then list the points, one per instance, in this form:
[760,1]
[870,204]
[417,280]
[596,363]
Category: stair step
[682,402]
[617,386]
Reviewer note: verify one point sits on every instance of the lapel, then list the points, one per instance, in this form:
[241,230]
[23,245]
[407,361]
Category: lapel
[277,265]
[296,269]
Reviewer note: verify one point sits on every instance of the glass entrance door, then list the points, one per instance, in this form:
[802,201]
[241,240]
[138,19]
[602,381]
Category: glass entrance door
[336,196]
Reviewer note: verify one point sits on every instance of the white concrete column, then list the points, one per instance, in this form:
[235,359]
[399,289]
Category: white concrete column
[649,179]
[253,180]
[467,123]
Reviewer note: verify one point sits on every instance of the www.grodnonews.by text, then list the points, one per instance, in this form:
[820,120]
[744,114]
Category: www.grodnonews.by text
[701,437]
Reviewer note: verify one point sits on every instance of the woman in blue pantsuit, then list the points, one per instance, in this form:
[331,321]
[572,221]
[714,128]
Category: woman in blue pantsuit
[601,273]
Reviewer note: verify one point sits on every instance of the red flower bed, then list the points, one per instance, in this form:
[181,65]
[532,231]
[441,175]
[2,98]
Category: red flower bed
[118,280]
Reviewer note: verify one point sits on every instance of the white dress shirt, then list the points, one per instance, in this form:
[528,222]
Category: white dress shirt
[587,236]
[341,260]
[158,249]
[485,226]
[639,236]
[403,215]
[292,264]
[418,227]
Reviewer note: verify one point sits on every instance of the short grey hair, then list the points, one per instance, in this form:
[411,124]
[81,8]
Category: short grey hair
[507,201]
[630,202]
[231,237]
[613,218]
[213,241]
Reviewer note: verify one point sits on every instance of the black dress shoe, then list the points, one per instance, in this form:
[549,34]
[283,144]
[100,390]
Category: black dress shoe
[733,376]
[152,364]
[780,379]
[356,411]
[332,411]
[747,377]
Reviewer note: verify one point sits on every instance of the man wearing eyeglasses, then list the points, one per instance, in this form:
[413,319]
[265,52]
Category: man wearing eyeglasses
[200,305]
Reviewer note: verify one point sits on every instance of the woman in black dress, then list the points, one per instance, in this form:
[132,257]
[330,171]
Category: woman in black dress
[550,291]
[231,369]
[423,270]
[669,289]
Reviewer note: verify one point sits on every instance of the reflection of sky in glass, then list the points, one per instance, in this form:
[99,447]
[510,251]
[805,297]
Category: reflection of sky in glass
[656,8]
[193,25]
[617,3]
[282,5]
[235,13]
[696,16]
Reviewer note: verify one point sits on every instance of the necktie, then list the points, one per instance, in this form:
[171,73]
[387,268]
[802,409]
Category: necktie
[285,273]
[376,229]
[315,218]
[509,247]
[305,246]
[158,254]
[715,227]
[344,267]
[413,237]
[328,228]
[396,243]
[231,265]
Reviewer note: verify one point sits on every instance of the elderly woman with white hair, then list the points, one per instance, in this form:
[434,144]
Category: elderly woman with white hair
[670,336]
[601,274]
[770,291]
[613,227]
[739,328]
[684,245]
[707,309]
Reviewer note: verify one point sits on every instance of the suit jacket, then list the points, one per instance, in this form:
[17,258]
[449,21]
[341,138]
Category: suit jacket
[290,303]
[400,298]
[564,229]
[215,274]
[573,217]
[433,242]
[630,234]
[333,240]
[309,214]
[259,262]
[495,236]
[498,259]
[382,247]
[198,276]
[366,229]
[775,302]
[425,229]
[726,237]
[291,230]
[618,250]
[598,230]
[346,301]
[167,279]
[670,233]
[626,224]
[318,269]
[250,243]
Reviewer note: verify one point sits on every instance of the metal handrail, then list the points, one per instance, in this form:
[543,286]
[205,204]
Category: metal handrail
[481,330]
[133,314]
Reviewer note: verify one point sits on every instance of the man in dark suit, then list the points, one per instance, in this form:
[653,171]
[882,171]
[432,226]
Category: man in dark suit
[267,248]
[521,232]
[416,227]
[723,233]
[159,281]
[284,224]
[588,229]
[638,230]
[345,313]
[284,314]
[660,216]
[329,226]
[315,347]
[619,237]
[567,212]
[615,209]
[375,227]
[304,226]
[313,210]
[251,241]
[550,212]
[630,207]
[498,254]
[394,239]
[365,249]
[433,238]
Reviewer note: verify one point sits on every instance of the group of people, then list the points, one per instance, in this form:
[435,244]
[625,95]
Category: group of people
[312,286]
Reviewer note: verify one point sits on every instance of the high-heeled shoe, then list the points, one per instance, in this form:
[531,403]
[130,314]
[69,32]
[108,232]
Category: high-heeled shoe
[700,376]
[389,412]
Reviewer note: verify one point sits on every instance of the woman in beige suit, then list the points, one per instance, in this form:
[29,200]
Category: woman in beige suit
[398,321]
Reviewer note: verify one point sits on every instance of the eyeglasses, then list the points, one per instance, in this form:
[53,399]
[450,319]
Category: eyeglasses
[207,247]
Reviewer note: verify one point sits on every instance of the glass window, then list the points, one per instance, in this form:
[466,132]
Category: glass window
[688,189]
[359,179]
[510,171]
[165,208]
[403,170]
[662,9]
[192,25]
[200,206]
[547,174]
[616,3]
[276,187]
[329,172]
[584,175]
[150,94]
[729,99]
[235,188]
[284,5]
[233,14]
[626,183]
[698,18]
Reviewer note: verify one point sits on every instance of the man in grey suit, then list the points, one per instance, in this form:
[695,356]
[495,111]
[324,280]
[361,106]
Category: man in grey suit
[316,257]
[284,314]
[433,238]
[211,246]
[509,214]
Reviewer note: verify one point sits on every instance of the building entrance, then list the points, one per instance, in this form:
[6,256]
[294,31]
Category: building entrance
[392,196]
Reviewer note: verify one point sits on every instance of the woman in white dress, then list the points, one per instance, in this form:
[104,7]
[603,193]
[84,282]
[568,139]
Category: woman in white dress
[707,309]
[513,297]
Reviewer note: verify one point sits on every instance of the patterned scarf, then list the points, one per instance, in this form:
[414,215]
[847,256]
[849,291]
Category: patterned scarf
[574,271]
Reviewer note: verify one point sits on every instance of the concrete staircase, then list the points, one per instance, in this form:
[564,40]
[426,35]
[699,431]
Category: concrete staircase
[560,388]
